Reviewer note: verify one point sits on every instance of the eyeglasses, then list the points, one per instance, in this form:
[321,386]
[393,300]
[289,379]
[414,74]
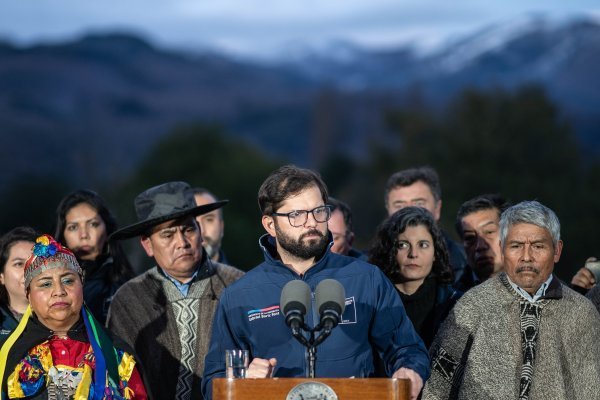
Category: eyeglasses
[298,218]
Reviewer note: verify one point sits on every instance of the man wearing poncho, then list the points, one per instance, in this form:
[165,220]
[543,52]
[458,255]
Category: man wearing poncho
[166,313]
[522,334]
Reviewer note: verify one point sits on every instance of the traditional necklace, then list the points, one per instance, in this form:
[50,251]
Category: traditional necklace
[62,384]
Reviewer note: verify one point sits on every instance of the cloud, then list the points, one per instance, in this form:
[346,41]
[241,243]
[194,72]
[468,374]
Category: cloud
[263,25]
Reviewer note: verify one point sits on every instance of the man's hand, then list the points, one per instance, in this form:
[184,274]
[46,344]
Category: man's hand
[416,383]
[584,277]
[261,368]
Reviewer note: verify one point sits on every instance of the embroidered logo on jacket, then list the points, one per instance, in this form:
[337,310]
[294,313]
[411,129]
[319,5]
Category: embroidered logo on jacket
[349,315]
[267,312]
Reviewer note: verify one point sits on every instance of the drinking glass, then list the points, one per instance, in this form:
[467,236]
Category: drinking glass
[236,363]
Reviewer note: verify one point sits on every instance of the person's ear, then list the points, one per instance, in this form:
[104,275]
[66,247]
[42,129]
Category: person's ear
[147,245]
[350,239]
[437,211]
[558,251]
[269,224]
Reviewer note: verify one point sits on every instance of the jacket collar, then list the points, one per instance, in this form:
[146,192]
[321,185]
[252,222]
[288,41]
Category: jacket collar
[554,290]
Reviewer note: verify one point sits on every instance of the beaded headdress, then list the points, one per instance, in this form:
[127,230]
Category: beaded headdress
[47,254]
[109,364]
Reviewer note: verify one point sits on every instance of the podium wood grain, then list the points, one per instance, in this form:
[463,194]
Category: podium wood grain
[278,388]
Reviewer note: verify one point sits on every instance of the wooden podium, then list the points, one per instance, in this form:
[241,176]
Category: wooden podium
[279,388]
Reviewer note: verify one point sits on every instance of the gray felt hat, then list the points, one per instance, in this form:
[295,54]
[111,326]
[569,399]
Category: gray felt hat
[171,200]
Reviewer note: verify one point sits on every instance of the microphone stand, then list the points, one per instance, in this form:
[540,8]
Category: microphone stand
[311,344]
[312,360]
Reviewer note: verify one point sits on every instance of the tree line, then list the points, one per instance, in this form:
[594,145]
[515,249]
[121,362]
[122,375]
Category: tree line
[511,142]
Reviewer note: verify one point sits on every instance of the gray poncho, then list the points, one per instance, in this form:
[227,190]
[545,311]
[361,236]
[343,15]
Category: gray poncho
[496,345]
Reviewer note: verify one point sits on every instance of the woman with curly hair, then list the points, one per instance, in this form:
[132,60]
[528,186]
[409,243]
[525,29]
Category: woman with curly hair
[83,224]
[410,249]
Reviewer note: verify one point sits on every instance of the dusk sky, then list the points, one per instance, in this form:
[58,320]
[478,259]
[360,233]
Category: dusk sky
[264,27]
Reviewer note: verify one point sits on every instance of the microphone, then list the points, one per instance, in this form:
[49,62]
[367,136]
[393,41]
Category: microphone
[294,303]
[330,298]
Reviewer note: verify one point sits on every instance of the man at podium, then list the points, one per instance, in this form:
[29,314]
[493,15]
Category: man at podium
[293,202]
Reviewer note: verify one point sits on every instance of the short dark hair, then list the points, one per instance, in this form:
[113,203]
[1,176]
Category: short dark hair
[18,234]
[385,246]
[409,176]
[490,201]
[200,191]
[285,182]
[344,209]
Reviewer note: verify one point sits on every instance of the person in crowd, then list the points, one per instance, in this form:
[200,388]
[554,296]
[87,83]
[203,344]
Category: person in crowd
[59,350]
[411,251]
[15,249]
[83,224]
[420,187]
[212,226]
[340,226]
[521,334]
[584,280]
[477,224]
[293,202]
[166,313]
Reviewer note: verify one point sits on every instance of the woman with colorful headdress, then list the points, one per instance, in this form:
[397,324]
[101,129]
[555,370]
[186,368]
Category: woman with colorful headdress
[58,350]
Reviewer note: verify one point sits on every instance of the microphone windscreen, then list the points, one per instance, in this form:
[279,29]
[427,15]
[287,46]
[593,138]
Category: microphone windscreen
[295,295]
[330,295]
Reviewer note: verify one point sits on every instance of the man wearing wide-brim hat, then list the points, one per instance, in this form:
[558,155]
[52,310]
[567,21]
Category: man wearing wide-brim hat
[166,313]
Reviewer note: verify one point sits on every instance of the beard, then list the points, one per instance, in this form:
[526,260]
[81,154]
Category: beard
[210,249]
[211,246]
[298,248]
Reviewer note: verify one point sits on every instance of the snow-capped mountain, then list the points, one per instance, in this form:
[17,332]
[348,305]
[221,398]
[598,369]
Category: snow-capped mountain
[125,93]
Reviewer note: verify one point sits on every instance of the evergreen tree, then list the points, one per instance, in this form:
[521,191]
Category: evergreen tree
[204,156]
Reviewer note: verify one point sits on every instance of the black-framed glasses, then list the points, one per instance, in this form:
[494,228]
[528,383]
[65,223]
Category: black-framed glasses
[298,218]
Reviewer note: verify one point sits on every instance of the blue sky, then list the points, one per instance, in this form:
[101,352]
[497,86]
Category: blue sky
[263,27]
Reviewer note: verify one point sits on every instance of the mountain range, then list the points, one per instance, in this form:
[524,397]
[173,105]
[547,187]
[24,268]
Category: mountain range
[89,109]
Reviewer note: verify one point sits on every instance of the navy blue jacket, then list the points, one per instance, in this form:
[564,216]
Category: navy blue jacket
[248,317]
[8,323]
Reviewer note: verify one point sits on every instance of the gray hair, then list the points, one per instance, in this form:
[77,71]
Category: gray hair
[530,212]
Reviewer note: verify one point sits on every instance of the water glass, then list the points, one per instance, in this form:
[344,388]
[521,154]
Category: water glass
[236,363]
